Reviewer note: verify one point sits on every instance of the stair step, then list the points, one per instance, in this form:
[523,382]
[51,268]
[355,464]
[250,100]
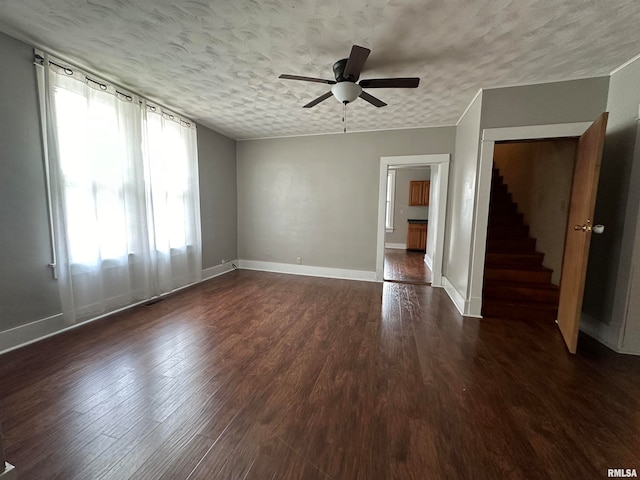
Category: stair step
[506,218]
[545,293]
[519,311]
[508,245]
[498,182]
[516,284]
[514,259]
[500,191]
[511,230]
[500,194]
[502,208]
[519,274]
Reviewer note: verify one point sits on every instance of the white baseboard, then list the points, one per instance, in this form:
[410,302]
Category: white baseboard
[31,332]
[218,270]
[309,270]
[9,473]
[474,307]
[601,332]
[454,295]
[24,335]
[458,299]
[598,331]
[429,261]
[396,246]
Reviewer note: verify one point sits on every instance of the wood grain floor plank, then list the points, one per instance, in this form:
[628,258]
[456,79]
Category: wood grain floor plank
[139,433]
[406,267]
[271,376]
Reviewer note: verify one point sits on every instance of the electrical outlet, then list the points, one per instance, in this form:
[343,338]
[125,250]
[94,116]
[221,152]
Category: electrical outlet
[298,260]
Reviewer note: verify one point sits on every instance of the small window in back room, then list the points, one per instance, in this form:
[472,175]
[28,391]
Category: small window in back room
[391,193]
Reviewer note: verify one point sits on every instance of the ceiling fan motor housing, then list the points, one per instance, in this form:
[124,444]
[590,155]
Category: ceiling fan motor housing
[338,71]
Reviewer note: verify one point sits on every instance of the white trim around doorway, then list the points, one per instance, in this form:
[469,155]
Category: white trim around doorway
[439,161]
[473,304]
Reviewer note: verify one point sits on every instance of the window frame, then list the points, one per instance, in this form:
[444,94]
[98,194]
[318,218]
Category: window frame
[390,200]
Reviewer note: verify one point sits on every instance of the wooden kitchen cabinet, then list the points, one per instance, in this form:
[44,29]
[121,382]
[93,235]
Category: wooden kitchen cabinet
[419,192]
[417,236]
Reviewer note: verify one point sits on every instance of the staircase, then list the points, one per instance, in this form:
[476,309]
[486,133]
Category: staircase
[516,284]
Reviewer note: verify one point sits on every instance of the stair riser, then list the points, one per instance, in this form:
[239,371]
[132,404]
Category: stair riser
[501,208]
[508,230]
[501,195]
[497,310]
[525,294]
[515,244]
[506,219]
[514,260]
[515,275]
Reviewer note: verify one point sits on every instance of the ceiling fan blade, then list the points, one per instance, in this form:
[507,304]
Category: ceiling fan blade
[411,82]
[356,60]
[307,79]
[372,100]
[321,98]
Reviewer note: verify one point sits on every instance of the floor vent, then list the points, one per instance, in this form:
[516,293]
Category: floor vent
[153,301]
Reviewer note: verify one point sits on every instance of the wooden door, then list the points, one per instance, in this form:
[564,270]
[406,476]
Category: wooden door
[413,236]
[419,192]
[426,191]
[415,192]
[423,237]
[578,239]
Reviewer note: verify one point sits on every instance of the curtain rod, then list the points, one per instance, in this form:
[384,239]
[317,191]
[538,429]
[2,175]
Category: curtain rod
[39,60]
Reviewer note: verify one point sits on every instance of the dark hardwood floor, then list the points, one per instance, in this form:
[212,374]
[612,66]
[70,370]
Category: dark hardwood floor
[267,376]
[406,267]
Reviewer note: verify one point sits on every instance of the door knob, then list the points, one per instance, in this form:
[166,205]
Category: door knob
[585,228]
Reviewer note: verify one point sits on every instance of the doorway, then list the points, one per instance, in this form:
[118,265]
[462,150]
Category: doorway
[439,178]
[528,213]
[472,305]
[406,266]
[406,225]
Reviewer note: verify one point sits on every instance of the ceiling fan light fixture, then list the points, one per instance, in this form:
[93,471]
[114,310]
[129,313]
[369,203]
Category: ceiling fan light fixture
[346,92]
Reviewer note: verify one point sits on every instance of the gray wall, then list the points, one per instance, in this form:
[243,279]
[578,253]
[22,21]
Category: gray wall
[609,276]
[402,210]
[548,103]
[28,292]
[27,289]
[218,197]
[316,197]
[460,207]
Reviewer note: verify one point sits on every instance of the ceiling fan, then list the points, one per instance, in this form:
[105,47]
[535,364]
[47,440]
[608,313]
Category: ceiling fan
[347,72]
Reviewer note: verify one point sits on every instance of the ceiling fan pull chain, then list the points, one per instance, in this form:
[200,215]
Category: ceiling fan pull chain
[344,117]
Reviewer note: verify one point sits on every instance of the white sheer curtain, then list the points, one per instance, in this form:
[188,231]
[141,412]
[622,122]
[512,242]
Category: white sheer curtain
[174,204]
[124,195]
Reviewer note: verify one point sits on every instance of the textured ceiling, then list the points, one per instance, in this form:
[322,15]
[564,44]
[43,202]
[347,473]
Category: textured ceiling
[218,61]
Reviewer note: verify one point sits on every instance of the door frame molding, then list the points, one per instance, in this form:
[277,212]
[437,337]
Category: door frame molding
[490,136]
[439,161]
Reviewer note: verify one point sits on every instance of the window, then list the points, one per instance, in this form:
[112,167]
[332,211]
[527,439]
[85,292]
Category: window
[391,193]
[98,183]
[170,181]
[124,193]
